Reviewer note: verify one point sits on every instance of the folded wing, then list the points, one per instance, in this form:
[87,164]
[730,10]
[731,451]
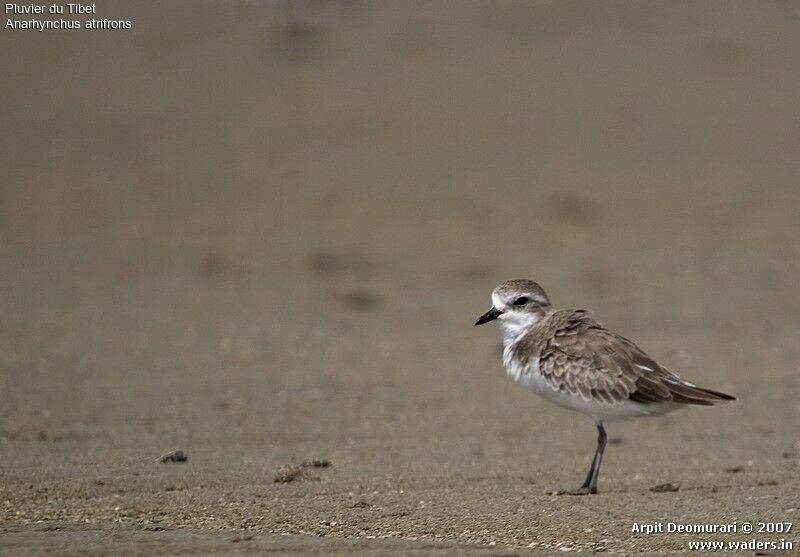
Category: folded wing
[586,360]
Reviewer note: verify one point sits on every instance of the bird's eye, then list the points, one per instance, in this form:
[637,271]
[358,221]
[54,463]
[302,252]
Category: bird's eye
[521,301]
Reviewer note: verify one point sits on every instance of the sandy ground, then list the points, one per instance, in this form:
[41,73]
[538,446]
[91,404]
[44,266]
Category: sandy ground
[260,233]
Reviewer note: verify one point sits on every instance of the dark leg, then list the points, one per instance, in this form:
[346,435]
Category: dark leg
[590,484]
[588,481]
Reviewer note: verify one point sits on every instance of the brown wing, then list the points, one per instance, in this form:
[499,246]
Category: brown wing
[586,360]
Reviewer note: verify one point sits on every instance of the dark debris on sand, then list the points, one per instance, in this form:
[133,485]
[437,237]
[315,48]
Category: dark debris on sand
[665,488]
[174,456]
[292,472]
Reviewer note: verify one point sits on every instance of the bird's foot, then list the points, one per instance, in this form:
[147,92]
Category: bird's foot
[583,490]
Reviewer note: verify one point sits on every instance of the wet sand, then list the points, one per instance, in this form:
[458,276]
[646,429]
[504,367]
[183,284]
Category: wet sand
[261,234]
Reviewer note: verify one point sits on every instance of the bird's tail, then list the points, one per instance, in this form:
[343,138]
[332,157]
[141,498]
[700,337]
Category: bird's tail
[686,393]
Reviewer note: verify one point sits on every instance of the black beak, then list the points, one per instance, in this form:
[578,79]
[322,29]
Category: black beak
[490,315]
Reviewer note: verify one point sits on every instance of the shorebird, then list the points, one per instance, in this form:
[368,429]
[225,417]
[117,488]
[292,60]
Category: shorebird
[568,358]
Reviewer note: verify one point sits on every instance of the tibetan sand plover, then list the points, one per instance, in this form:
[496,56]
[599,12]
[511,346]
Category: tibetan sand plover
[571,360]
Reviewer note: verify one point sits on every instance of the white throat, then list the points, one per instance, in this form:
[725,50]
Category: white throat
[515,324]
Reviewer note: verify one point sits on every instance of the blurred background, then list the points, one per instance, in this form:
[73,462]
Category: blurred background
[262,230]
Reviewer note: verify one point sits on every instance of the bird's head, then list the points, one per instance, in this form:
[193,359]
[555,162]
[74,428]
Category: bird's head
[517,304]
